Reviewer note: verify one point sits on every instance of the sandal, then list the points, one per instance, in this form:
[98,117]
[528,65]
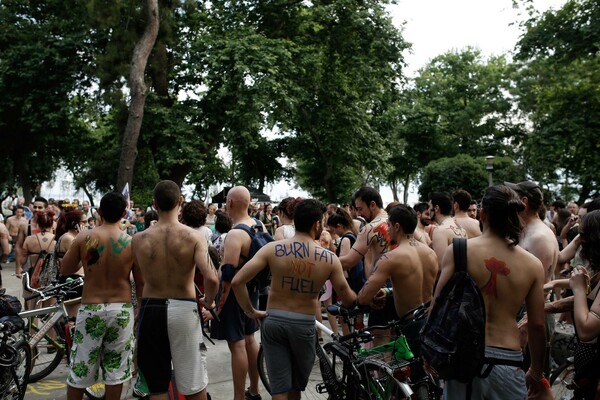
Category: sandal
[18,276]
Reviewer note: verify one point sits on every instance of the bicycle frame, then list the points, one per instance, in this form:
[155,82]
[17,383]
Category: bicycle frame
[57,311]
[354,361]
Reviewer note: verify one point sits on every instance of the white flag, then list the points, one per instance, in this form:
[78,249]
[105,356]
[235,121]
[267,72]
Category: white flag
[126,195]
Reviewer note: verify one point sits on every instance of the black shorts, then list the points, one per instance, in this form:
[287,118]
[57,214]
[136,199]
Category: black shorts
[234,324]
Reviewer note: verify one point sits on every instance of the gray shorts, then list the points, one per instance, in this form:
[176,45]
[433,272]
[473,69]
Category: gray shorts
[288,339]
[504,381]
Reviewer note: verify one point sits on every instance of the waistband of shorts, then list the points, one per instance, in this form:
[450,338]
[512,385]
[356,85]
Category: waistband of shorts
[290,315]
[503,354]
[156,301]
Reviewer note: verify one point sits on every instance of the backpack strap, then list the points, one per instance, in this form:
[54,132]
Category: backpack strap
[250,231]
[459,245]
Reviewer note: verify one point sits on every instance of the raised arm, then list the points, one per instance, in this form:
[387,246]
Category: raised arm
[69,264]
[587,320]
[358,251]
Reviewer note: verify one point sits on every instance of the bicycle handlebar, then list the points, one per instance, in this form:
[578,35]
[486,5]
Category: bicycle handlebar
[52,291]
[416,313]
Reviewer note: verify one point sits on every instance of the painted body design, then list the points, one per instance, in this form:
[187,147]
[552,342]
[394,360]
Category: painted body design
[121,243]
[94,250]
[382,237]
[495,267]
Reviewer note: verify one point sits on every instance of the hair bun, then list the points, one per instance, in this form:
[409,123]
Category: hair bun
[516,205]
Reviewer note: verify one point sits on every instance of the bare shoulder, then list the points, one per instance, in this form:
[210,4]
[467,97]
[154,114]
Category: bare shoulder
[423,249]
[526,258]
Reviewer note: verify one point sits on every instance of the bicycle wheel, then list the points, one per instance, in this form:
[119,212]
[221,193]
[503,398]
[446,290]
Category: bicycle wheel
[379,383]
[46,355]
[13,380]
[331,378]
[560,378]
[262,369]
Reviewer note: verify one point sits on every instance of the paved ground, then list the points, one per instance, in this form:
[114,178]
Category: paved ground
[219,367]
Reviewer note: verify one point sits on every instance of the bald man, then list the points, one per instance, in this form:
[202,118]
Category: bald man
[234,326]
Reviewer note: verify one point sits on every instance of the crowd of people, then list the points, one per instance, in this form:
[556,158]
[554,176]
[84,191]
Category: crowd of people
[528,262]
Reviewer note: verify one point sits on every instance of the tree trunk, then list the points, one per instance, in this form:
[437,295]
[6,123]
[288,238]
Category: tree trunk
[138,88]
[394,187]
[406,185]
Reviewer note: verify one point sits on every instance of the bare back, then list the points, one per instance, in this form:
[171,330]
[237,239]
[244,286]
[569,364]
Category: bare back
[470,225]
[167,255]
[403,265]
[429,265]
[539,240]
[299,269]
[107,259]
[507,277]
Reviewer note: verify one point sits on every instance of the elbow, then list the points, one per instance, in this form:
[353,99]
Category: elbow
[585,334]
[213,280]
[585,337]
[236,283]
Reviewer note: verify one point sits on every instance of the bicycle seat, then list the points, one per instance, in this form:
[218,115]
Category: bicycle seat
[14,322]
[338,309]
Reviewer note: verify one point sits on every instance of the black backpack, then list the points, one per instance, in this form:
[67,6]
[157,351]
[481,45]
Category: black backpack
[453,338]
[258,239]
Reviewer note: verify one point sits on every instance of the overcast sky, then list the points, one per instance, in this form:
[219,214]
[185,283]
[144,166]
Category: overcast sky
[437,26]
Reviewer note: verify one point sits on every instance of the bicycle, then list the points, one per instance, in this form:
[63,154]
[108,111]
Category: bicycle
[15,359]
[48,350]
[350,372]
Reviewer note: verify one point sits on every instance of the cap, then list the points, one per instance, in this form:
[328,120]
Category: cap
[528,189]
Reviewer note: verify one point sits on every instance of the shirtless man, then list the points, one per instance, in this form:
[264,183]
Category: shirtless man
[27,228]
[412,267]
[374,235]
[461,200]
[507,276]
[538,239]
[423,220]
[13,222]
[235,327]
[4,247]
[105,319]
[299,268]
[440,208]
[170,328]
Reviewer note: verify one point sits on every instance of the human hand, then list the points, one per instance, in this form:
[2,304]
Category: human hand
[579,278]
[379,300]
[206,315]
[538,387]
[256,315]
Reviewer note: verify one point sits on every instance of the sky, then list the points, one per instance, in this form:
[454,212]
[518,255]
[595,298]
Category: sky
[435,27]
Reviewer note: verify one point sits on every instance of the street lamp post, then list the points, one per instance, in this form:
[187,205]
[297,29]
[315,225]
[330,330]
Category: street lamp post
[489,166]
